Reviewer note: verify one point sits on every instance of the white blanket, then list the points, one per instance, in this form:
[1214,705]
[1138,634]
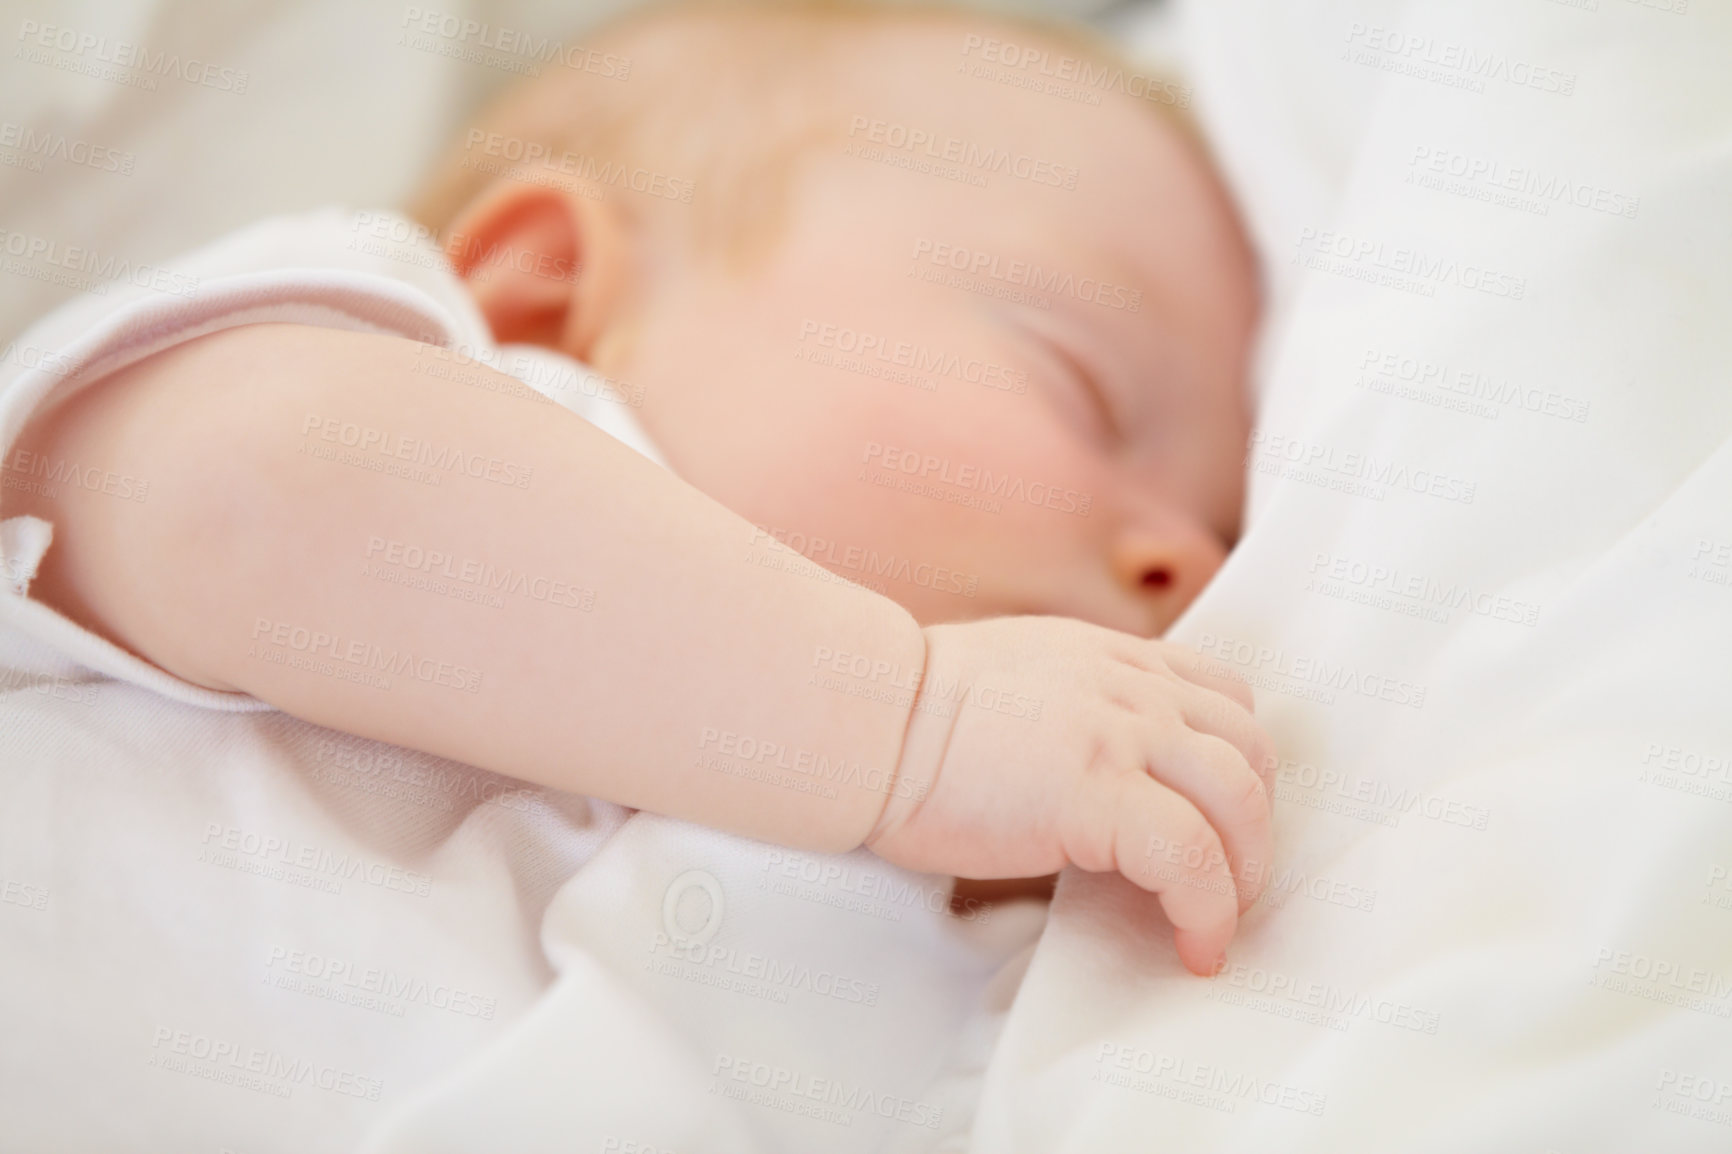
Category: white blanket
[1483,598]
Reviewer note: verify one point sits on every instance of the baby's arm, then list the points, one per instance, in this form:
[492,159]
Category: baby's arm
[248,536]
[687,688]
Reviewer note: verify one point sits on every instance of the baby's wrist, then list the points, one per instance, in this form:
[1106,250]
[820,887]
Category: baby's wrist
[925,737]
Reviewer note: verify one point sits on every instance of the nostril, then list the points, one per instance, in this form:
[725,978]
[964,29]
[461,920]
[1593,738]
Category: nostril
[1158,577]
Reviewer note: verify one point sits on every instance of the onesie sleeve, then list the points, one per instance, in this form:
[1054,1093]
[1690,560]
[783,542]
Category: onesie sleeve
[92,338]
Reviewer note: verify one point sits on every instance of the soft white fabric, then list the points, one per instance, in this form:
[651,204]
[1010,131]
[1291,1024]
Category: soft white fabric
[259,934]
[1483,599]
[727,996]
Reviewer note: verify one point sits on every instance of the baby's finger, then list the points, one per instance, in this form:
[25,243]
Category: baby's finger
[1191,667]
[1164,845]
[1212,713]
[1213,776]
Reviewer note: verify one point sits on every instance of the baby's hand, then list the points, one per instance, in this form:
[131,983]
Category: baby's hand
[1136,761]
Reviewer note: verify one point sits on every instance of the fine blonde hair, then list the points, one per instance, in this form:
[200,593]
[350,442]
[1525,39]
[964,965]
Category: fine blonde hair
[709,104]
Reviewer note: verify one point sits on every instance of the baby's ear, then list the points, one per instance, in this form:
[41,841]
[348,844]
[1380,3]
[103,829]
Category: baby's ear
[545,266]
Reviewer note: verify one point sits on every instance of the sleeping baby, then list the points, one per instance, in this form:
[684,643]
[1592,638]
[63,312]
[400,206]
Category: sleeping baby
[901,353]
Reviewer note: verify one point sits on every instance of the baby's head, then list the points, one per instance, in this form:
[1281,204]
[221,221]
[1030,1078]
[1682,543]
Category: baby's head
[963,323]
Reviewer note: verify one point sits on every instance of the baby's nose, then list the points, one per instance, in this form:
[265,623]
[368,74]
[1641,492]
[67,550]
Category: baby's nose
[1165,565]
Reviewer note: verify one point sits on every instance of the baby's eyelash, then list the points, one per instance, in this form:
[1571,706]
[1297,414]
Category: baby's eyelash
[1090,385]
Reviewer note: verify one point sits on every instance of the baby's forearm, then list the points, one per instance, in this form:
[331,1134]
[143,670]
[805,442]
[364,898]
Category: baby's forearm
[465,571]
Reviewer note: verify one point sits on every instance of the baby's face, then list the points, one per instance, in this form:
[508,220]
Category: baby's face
[979,388]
